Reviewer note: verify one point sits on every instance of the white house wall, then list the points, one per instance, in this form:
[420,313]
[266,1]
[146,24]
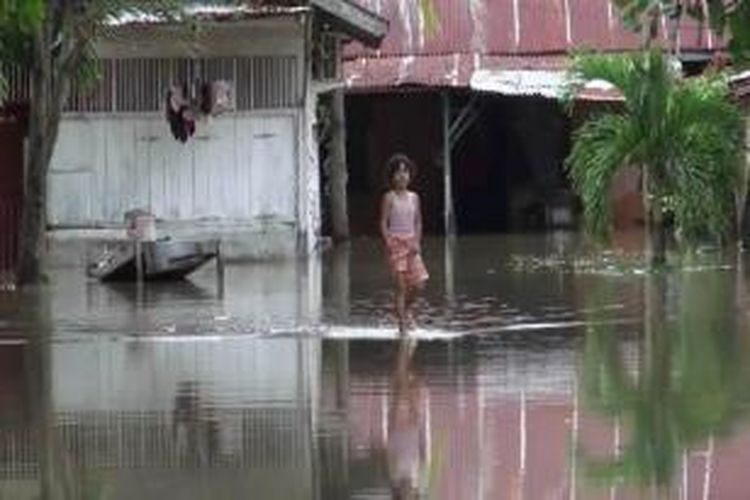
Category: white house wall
[240,167]
[255,168]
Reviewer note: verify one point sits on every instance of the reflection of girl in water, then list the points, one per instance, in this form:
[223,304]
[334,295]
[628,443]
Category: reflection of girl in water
[408,433]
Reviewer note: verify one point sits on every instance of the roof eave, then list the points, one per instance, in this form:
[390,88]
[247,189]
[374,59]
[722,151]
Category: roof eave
[359,23]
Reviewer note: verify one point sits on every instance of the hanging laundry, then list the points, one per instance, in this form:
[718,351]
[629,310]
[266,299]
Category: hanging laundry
[216,97]
[179,113]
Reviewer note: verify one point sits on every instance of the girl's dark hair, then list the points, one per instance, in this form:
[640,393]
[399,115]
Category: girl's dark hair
[395,162]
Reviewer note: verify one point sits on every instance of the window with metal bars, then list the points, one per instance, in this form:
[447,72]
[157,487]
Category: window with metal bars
[141,85]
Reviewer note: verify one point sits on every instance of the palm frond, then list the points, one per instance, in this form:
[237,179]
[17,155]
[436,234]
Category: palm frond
[643,79]
[706,138]
[586,67]
[429,12]
[18,19]
[601,147]
[687,133]
[739,25]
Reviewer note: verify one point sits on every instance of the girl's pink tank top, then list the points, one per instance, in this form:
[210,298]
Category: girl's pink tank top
[401,217]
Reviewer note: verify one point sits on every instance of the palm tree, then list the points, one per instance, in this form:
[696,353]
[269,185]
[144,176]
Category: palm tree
[684,135]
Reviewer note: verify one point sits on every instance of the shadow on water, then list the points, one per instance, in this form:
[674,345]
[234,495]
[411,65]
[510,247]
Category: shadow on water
[551,384]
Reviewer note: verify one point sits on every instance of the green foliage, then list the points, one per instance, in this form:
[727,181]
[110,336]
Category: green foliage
[18,20]
[430,15]
[70,27]
[687,134]
[739,25]
[729,18]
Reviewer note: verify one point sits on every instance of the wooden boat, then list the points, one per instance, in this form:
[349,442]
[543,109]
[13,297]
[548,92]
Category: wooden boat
[161,259]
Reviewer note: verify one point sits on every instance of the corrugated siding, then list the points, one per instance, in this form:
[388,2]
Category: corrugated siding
[504,27]
[542,25]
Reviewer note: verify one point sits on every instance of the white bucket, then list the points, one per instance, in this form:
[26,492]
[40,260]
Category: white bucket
[142,226]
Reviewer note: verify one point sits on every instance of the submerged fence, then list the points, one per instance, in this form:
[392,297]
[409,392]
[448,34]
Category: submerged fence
[263,438]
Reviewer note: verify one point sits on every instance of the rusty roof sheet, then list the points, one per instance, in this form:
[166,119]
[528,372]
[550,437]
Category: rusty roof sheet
[473,35]
[514,27]
[450,70]
[208,11]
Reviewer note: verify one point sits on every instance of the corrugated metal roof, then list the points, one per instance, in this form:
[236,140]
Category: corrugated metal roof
[347,16]
[475,35]
[450,70]
[205,11]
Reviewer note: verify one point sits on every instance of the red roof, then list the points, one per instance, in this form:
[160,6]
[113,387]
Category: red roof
[493,34]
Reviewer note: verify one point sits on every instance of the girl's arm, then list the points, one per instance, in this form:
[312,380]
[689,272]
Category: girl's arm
[384,207]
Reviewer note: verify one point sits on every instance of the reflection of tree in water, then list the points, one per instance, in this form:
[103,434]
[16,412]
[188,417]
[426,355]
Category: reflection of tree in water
[689,385]
[195,428]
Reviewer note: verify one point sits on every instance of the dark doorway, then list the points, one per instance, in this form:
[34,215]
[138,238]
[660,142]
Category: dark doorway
[379,126]
[508,172]
[11,195]
[508,168]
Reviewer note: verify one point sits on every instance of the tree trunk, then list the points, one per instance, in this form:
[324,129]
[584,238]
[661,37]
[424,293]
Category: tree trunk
[34,220]
[50,85]
[339,175]
[651,30]
[658,235]
[742,189]
[33,223]
[656,247]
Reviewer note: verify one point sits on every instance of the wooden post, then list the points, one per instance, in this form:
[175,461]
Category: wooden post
[450,275]
[138,261]
[219,269]
[339,279]
[339,176]
[449,223]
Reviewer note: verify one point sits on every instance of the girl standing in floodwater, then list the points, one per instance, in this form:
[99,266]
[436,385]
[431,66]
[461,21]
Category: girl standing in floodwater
[401,229]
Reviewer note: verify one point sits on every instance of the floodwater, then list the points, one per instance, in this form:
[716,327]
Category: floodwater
[536,372]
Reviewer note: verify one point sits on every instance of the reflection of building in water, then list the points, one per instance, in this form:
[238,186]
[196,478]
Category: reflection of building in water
[256,296]
[174,419]
[502,427]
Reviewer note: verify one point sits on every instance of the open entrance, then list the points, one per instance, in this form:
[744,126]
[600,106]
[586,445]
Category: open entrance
[507,159]
[508,170]
[379,126]
[11,195]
